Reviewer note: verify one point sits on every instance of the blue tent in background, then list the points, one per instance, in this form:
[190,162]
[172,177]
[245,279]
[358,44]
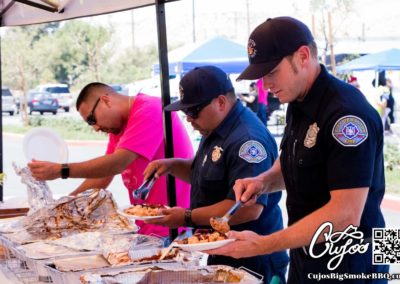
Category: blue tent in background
[223,53]
[384,60]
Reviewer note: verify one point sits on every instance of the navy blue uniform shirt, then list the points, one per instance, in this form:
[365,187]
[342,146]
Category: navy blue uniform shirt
[333,140]
[240,147]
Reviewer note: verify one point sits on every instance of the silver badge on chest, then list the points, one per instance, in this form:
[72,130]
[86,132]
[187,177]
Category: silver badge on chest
[311,136]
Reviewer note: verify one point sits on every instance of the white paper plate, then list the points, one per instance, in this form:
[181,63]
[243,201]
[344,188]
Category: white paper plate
[46,145]
[140,218]
[204,246]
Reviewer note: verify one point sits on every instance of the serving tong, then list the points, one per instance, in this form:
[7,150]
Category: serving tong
[142,192]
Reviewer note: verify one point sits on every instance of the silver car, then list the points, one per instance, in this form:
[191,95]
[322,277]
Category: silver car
[8,101]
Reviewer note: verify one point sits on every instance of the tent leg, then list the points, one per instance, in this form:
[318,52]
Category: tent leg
[166,100]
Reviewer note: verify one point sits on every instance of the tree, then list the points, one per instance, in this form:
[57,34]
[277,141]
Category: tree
[22,63]
[83,52]
[323,11]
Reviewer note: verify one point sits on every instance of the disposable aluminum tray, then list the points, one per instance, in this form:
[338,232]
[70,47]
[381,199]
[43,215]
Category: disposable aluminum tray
[60,277]
[210,274]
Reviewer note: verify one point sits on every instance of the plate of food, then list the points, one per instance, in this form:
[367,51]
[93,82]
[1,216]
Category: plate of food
[203,241]
[144,211]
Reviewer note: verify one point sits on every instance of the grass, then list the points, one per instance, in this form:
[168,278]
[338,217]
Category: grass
[65,132]
[392,182]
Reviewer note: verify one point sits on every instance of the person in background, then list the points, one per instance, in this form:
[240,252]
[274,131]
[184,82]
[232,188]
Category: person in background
[382,97]
[390,105]
[251,99]
[135,137]
[262,112]
[234,145]
[331,163]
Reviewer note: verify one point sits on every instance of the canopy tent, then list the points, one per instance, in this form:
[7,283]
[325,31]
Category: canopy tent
[26,12]
[384,60]
[221,52]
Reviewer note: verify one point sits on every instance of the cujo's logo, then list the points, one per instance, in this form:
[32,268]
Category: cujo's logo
[251,50]
[337,244]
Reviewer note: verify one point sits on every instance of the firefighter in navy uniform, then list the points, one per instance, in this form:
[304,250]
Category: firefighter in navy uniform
[234,145]
[331,161]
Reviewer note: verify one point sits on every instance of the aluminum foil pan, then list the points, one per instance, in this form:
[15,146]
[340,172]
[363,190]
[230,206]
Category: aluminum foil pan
[209,274]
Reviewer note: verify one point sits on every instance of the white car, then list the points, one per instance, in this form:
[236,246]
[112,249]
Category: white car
[60,92]
[8,101]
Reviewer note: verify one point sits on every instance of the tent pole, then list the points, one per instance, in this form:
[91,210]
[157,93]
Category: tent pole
[166,100]
[1,128]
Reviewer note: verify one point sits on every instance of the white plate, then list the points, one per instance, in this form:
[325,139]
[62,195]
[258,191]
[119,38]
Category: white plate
[140,218]
[46,145]
[204,246]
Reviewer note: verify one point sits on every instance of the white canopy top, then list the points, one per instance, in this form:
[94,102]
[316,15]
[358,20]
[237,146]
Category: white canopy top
[24,12]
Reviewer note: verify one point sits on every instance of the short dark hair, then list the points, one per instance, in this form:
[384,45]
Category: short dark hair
[83,95]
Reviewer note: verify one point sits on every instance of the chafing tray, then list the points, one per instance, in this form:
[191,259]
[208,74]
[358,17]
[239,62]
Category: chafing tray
[209,274]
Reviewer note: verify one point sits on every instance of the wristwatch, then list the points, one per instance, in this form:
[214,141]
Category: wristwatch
[64,171]
[187,221]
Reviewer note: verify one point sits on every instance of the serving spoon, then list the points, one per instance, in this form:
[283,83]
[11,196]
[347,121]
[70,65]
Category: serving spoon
[220,224]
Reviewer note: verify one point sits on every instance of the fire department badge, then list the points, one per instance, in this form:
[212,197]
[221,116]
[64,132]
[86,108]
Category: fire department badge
[311,136]
[216,154]
[350,131]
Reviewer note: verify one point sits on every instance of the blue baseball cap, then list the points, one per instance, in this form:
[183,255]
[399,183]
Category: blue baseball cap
[200,85]
[270,42]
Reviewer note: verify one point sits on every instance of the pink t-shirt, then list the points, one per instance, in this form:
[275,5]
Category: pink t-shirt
[262,93]
[143,135]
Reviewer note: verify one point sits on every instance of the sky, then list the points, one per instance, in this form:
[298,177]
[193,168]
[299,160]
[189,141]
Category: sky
[375,20]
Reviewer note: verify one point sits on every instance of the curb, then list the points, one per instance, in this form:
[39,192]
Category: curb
[73,143]
[391,202]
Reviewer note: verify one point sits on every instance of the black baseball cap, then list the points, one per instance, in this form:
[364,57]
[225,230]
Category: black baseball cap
[200,85]
[270,42]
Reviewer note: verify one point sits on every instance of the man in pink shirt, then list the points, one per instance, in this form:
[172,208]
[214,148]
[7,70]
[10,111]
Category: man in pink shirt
[135,129]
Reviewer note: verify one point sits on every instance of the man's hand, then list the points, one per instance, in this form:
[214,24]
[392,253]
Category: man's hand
[161,167]
[247,244]
[248,189]
[174,218]
[42,170]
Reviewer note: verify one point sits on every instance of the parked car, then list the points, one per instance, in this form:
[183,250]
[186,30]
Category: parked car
[59,91]
[42,102]
[8,101]
[120,89]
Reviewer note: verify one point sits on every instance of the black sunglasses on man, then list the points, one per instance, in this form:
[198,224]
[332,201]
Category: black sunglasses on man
[90,119]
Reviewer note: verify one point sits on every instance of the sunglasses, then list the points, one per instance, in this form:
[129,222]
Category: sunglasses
[90,119]
[193,112]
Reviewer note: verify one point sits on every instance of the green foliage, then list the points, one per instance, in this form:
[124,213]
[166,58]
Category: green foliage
[392,157]
[74,52]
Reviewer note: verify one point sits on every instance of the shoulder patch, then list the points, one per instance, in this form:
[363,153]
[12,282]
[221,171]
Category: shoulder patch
[350,131]
[253,152]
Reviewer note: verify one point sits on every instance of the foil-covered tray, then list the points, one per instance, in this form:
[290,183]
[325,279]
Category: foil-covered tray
[209,274]
[61,277]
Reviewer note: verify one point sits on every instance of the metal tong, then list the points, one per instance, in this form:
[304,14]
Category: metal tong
[144,189]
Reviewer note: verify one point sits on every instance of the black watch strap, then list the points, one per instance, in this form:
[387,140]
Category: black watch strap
[64,171]
[187,222]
